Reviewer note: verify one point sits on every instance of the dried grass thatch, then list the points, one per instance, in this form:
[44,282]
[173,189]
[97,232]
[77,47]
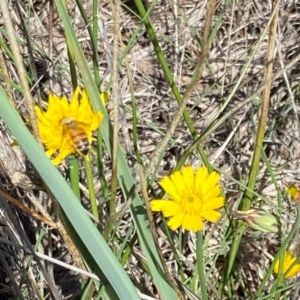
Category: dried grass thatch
[239,41]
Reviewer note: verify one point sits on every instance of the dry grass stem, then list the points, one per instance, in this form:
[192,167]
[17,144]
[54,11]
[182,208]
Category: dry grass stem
[116,7]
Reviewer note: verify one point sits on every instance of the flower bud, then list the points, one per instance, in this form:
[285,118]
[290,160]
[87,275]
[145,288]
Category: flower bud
[258,219]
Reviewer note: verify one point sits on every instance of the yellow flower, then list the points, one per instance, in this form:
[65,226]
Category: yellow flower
[194,196]
[64,122]
[288,261]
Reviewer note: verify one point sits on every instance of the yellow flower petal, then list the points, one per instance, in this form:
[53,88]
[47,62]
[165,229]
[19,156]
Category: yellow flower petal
[211,181]
[85,110]
[169,187]
[74,105]
[168,208]
[214,203]
[200,178]
[188,177]
[157,205]
[176,221]
[65,107]
[290,268]
[54,105]
[50,152]
[96,121]
[212,216]
[212,194]
[193,223]
[104,98]
[178,182]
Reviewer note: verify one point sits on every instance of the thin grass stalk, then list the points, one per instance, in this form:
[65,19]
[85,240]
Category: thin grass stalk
[270,170]
[274,181]
[239,229]
[164,64]
[44,216]
[134,110]
[93,33]
[100,166]
[126,253]
[71,61]
[130,44]
[50,43]
[134,124]
[91,187]
[87,289]
[246,202]
[116,7]
[74,176]
[7,51]
[72,69]
[173,247]
[94,39]
[116,218]
[200,265]
[120,251]
[31,62]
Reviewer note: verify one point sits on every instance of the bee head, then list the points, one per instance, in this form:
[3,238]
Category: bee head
[67,121]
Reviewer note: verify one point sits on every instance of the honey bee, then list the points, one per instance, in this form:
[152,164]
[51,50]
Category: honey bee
[77,134]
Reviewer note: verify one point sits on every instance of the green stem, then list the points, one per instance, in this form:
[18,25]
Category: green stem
[100,166]
[93,33]
[90,182]
[200,265]
[74,176]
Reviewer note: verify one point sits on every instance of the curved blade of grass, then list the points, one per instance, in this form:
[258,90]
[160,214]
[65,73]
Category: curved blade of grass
[84,227]
[124,175]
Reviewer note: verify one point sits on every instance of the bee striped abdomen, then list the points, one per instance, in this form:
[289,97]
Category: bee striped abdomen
[77,135]
[80,140]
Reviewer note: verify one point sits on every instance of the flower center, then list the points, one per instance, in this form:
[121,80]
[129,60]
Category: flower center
[192,204]
[191,198]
